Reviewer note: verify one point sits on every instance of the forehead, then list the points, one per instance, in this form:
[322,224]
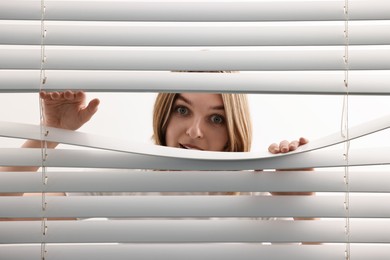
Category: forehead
[204,99]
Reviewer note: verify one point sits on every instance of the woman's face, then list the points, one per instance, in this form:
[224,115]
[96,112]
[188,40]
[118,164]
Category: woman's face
[197,122]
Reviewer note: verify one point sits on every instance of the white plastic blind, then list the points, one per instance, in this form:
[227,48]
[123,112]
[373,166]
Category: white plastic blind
[279,47]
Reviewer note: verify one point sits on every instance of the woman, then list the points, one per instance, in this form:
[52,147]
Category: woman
[201,121]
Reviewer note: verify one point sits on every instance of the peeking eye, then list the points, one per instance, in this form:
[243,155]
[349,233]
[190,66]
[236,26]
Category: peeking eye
[182,110]
[217,119]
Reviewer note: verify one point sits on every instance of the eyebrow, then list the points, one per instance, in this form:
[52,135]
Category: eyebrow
[220,107]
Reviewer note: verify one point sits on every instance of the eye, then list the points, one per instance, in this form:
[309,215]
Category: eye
[217,119]
[182,110]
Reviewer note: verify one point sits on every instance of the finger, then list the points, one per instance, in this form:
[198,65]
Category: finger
[293,145]
[49,95]
[55,95]
[274,148]
[79,95]
[42,94]
[69,95]
[303,141]
[93,105]
[283,146]
[90,110]
[45,95]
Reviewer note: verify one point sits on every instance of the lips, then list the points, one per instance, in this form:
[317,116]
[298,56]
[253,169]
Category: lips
[189,147]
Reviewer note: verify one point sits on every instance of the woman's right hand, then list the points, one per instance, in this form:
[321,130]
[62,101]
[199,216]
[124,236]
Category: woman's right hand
[67,110]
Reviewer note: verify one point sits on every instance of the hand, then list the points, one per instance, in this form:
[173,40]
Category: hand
[67,109]
[286,146]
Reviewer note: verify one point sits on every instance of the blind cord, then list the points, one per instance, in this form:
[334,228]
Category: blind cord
[44,131]
[345,132]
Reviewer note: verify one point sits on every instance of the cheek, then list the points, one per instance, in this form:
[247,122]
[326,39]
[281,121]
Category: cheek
[219,139]
[168,137]
[171,133]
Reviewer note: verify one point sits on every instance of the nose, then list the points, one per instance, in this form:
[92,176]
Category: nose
[194,130]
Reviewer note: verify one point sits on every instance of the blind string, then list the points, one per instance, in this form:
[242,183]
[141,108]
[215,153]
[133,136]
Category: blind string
[345,132]
[44,132]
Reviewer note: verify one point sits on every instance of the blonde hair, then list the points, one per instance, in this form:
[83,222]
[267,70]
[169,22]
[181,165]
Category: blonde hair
[238,121]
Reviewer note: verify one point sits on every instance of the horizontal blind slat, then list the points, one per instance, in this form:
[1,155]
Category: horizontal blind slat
[195,231]
[193,10]
[194,206]
[194,34]
[109,159]
[361,82]
[371,57]
[188,181]
[195,251]
[30,131]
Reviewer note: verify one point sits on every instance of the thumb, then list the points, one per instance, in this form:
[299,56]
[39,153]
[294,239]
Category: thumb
[87,112]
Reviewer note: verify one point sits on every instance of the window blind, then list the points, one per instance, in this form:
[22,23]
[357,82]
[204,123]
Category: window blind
[279,47]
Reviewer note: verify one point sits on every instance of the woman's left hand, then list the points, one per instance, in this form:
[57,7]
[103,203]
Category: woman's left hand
[286,146]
